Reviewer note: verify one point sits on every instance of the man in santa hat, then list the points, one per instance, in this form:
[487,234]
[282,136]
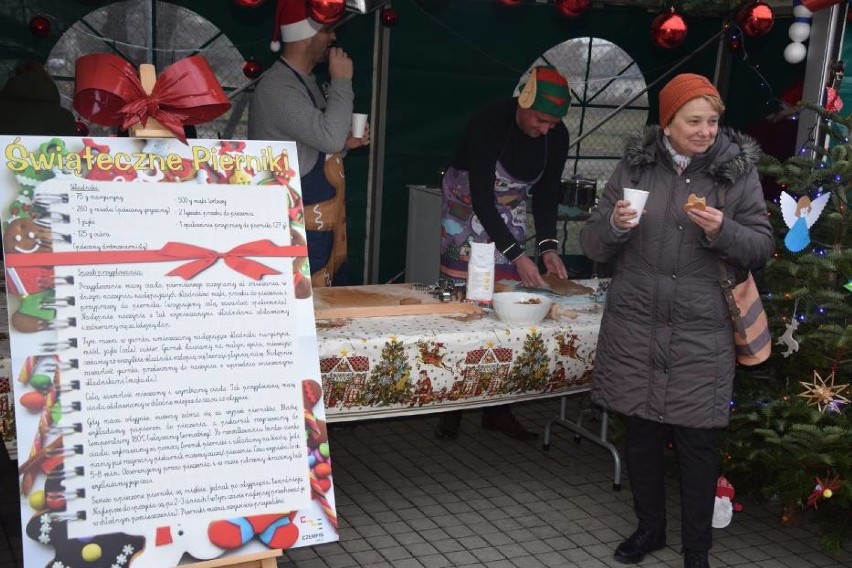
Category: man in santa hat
[288,104]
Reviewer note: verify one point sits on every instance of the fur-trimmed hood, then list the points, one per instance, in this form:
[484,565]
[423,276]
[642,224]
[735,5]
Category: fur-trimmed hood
[732,155]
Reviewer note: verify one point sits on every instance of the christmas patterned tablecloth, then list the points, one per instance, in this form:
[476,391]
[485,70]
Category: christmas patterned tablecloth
[393,366]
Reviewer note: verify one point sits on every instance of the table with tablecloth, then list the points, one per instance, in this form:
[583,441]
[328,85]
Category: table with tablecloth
[403,365]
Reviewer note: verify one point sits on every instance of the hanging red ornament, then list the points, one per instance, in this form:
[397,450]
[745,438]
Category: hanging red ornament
[82,128]
[251,68]
[510,2]
[572,8]
[756,19]
[326,11]
[668,30]
[40,26]
[389,17]
[248,3]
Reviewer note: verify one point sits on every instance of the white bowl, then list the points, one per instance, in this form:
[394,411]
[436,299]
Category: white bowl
[520,308]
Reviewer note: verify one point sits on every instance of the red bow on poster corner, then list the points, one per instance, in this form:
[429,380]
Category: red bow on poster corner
[108,92]
[817,5]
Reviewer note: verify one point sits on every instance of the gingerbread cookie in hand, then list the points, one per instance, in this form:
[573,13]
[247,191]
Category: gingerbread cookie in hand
[695,202]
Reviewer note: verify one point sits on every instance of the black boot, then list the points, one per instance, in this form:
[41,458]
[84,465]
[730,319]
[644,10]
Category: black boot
[448,425]
[640,543]
[501,418]
[695,559]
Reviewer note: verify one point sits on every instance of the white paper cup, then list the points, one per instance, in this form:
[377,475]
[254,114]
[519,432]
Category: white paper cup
[637,199]
[359,123]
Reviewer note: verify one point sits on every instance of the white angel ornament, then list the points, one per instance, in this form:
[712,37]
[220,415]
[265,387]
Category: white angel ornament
[800,216]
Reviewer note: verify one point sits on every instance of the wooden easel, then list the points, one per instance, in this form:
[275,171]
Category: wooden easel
[152,128]
[265,559]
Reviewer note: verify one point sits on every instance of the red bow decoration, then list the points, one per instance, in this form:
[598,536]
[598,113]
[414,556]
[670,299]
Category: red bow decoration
[233,258]
[108,92]
[817,5]
[199,258]
[824,489]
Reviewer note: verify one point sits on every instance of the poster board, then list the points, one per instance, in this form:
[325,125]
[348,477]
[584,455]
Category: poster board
[166,377]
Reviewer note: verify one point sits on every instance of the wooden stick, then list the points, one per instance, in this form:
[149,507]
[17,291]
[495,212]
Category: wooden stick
[152,128]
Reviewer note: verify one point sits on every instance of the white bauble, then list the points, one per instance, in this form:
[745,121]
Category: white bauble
[802,12]
[799,31]
[795,53]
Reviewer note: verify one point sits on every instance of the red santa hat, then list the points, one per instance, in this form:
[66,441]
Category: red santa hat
[292,23]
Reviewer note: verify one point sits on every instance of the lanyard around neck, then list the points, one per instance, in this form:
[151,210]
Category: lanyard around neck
[301,80]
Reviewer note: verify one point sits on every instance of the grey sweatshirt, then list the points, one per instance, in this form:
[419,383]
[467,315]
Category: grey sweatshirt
[281,109]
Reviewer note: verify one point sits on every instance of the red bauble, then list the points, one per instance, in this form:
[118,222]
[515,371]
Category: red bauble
[389,17]
[572,8]
[326,11]
[510,2]
[82,128]
[756,19]
[668,30]
[248,3]
[252,69]
[40,26]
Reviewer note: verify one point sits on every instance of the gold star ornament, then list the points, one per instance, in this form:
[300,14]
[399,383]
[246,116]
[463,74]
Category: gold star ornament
[824,394]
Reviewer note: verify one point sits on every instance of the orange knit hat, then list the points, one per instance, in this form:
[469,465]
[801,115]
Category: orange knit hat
[679,91]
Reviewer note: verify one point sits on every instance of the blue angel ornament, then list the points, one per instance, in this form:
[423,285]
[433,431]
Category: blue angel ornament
[800,216]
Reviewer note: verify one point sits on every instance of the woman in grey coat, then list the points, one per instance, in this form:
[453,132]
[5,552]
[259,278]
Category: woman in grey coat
[666,354]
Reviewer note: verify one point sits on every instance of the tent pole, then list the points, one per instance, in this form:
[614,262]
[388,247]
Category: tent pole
[824,48]
[376,172]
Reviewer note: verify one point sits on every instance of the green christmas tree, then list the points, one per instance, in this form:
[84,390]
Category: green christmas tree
[531,368]
[390,379]
[790,438]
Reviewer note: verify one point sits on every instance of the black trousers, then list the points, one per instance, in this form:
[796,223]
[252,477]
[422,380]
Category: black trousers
[698,461]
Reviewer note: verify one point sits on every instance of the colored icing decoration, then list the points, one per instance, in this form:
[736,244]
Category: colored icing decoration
[232,533]
[91,552]
[41,382]
[275,531]
[33,306]
[322,470]
[33,401]
[37,500]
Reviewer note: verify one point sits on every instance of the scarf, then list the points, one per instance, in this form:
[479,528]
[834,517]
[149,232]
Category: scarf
[679,160]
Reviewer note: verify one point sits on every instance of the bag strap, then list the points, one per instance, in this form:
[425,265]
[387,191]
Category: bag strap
[728,281]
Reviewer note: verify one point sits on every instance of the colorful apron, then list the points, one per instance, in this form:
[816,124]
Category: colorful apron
[324,198]
[460,225]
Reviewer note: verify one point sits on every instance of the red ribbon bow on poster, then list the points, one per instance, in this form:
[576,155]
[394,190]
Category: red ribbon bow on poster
[816,5]
[233,258]
[200,258]
[108,92]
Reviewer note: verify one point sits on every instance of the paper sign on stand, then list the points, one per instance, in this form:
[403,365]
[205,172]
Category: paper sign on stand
[164,350]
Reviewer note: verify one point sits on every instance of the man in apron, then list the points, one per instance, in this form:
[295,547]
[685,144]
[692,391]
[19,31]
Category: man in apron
[288,104]
[512,148]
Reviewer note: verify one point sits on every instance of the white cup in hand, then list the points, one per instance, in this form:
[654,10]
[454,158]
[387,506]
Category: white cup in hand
[637,199]
[359,123]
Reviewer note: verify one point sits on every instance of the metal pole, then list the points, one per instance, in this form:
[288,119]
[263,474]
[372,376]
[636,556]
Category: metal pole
[823,50]
[375,174]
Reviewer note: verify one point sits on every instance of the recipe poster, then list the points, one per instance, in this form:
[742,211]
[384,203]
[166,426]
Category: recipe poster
[163,350]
